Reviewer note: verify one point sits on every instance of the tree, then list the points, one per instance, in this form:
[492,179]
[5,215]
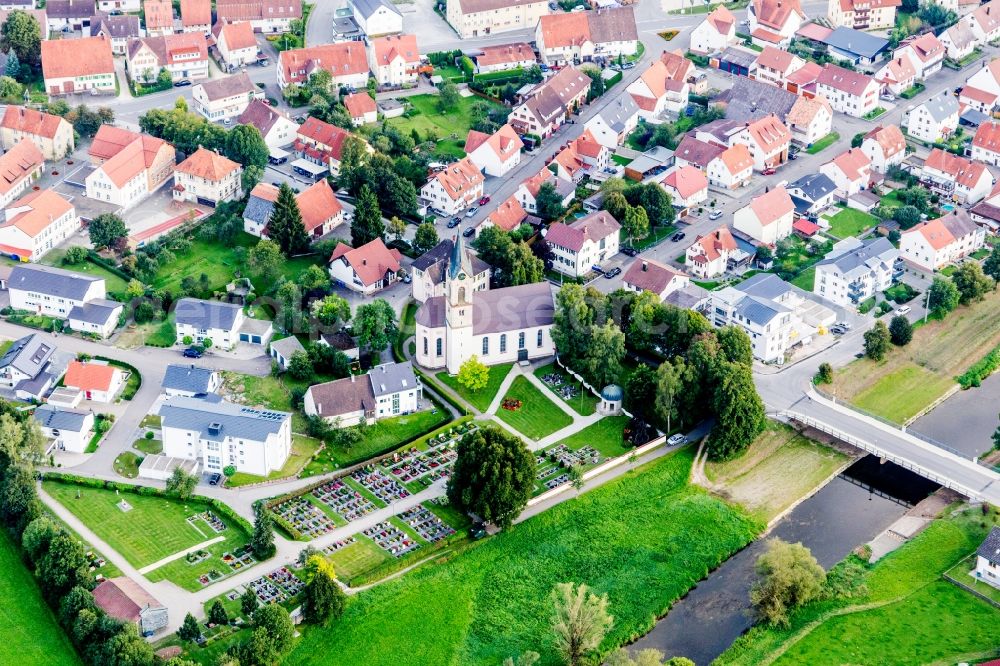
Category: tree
[181,483]
[654,200]
[788,577]
[396,227]
[106,229]
[580,621]
[19,503]
[636,223]
[971,282]
[271,635]
[907,216]
[992,265]
[252,174]
[448,97]
[493,477]
[825,374]
[37,536]
[942,297]
[300,366]
[285,225]
[75,255]
[63,567]
[602,363]
[314,278]
[249,602]
[367,224]
[22,35]
[522,266]
[425,239]
[264,261]
[597,85]
[75,601]
[217,614]
[375,325]
[669,385]
[857,140]
[190,629]
[262,538]
[323,598]
[571,323]
[616,205]
[735,345]
[548,202]
[13,66]
[739,412]
[245,145]
[135,289]
[877,340]
[332,311]
[648,657]
[473,374]
[526,658]
[900,331]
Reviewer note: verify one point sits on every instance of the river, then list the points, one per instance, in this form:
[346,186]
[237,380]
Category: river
[831,523]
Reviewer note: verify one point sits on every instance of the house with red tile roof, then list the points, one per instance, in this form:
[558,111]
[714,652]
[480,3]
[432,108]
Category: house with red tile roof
[853,93]
[236,43]
[654,277]
[581,156]
[715,33]
[527,191]
[567,37]
[863,14]
[686,185]
[925,52]
[208,178]
[394,59]
[768,141]
[130,166]
[885,147]
[956,178]
[810,119]
[36,223]
[361,107]
[985,22]
[775,18]
[768,218]
[898,75]
[123,599]
[504,57]
[730,169]
[366,269]
[509,215]
[709,255]
[20,167]
[159,17]
[775,65]
[454,188]
[321,143]
[581,245]
[851,172]
[663,87]
[982,90]
[97,381]
[934,244]
[83,65]
[184,55]
[959,41]
[347,63]
[986,143]
[319,207]
[495,154]
[266,16]
[196,16]
[51,134]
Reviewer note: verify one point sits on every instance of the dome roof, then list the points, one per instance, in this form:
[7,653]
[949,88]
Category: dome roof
[612,392]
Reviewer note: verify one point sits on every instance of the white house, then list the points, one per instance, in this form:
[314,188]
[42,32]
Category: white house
[812,193]
[377,17]
[130,166]
[957,178]
[36,223]
[854,271]
[517,55]
[96,380]
[481,18]
[933,244]
[581,245]
[549,103]
[225,98]
[850,171]
[495,154]
[849,92]
[276,127]
[321,211]
[768,218]
[885,146]
[686,185]
[768,141]
[985,22]
[219,434]
[84,65]
[612,124]
[184,56]
[775,65]
[62,294]
[281,351]
[709,255]
[454,188]
[732,168]
[654,277]
[898,75]
[935,119]
[208,178]
[69,429]
[266,16]
[582,156]
[988,559]
[574,37]
[346,62]
[863,14]
[527,191]
[663,87]
[715,33]
[926,52]
[21,167]
[810,119]
[361,107]
[30,366]
[986,143]
[222,323]
[190,380]
[390,389]
[428,271]
[780,18]
[196,16]
[236,43]
[394,59]
[366,269]
[959,41]
[51,134]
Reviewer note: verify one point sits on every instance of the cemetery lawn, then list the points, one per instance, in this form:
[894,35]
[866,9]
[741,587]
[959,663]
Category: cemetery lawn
[583,404]
[357,558]
[605,436]
[491,600]
[31,634]
[303,450]
[155,528]
[482,398]
[538,416]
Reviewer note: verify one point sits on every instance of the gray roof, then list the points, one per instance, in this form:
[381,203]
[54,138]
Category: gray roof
[620,109]
[98,311]
[990,548]
[35,386]
[390,378]
[258,209]
[431,313]
[216,419]
[66,9]
[287,346]
[189,378]
[941,106]
[749,100]
[29,355]
[434,260]
[51,281]
[116,27]
[858,258]
[206,314]
[512,308]
[688,297]
[342,396]
[764,285]
[739,56]
[368,7]
[862,44]
[813,186]
[228,86]
[61,419]
[758,311]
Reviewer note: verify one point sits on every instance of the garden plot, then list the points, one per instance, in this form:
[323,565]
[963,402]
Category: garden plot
[276,587]
[426,524]
[392,539]
[380,484]
[344,500]
[304,516]
[554,464]
[419,469]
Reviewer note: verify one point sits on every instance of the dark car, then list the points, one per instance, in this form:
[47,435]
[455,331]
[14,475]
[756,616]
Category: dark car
[629,251]
[468,232]
[192,352]
[454,222]
[477,531]
[678,236]
[214,479]
[769,171]
[613,272]
[484,201]
[182,83]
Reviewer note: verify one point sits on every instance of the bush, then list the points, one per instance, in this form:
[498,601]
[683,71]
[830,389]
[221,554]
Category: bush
[983,368]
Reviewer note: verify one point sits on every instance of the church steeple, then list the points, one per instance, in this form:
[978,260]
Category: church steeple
[459,285]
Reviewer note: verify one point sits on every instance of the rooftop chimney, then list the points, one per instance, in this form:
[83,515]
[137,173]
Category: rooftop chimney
[644,266]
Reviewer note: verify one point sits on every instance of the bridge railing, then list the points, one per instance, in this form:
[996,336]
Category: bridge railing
[875,450]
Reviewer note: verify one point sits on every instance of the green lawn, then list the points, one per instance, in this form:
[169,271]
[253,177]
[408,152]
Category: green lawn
[643,540]
[605,436]
[479,399]
[583,404]
[31,635]
[154,528]
[901,293]
[303,450]
[270,392]
[452,126]
[113,283]
[5,345]
[148,446]
[901,394]
[806,279]
[127,464]
[851,222]
[823,143]
[538,416]
[360,557]
[961,573]
[874,113]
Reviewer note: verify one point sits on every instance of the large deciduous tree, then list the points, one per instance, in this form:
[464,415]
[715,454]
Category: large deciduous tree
[264,261]
[788,577]
[739,412]
[375,325]
[245,145]
[473,374]
[548,203]
[22,35]
[971,282]
[323,599]
[942,297]
[426,238]
[605,350]
[332,311]
[571,323]
[580,621]
[877,339]
[106,230]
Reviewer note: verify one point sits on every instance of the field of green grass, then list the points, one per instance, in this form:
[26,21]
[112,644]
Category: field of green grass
[910,615]
[479,399]
[901,394]
[850,222]
[823,143]
[492,600]
[450,128]
[114,283]
[538,416]
[583,404]
[31,635]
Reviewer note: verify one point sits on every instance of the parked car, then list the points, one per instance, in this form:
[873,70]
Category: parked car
[838,330]
[192,352]
[182,83]
[214,479]
[406,278]
[484,201]
[677,439]
[629,251]
[579,8]
[613,272]
[888,97]
[471,211]
[843,324]
[769,171]
[903,310]
[793,156]
[454,222]
[468,232]
[678,236]
[715,214]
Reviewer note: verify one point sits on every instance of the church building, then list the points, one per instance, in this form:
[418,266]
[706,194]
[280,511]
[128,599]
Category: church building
[497,325]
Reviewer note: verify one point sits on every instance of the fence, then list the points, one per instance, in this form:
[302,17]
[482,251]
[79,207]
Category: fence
[951,579]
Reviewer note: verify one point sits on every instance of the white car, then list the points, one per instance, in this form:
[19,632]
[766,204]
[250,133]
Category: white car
[676,440]
[888,97]
[902,311]
[714,215]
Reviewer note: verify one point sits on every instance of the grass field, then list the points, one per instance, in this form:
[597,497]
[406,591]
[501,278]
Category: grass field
[605,436]
[479,399]
[823,143]
[450,127]
[850,222]
[148,446]
[961,572]
[31,635]
[303,450]
[538,416]
[359,557]
[806,279]
[780,467]
[912,377]
[113,283]
[127,464]
[583,404]
[643,540]
[270,392]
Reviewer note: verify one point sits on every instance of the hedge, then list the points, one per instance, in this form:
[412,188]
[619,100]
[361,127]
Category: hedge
[126,394]
[503,76]
[983,368]
[95,258]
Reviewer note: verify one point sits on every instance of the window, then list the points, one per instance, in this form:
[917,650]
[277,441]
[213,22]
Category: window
[439,346]
[520,340]
[486,345]
[540,335]
[425,346]
[503,343]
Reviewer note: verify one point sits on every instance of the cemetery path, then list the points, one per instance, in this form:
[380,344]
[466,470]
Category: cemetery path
[178,555]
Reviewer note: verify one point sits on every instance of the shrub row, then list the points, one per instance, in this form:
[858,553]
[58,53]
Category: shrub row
[127,394]
[983,368]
